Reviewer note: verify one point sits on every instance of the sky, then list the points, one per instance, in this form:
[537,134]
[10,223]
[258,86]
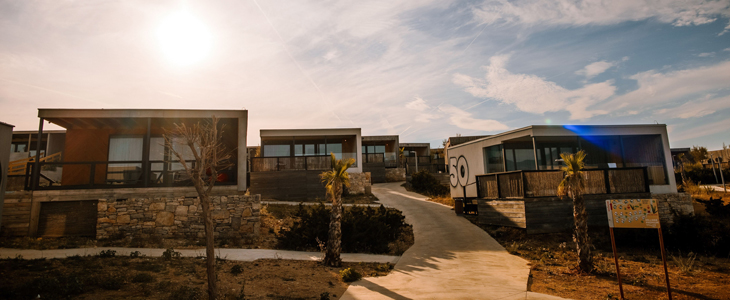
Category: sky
[424,70]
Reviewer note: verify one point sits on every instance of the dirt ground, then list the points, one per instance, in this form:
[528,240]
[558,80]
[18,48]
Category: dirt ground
[552,258]
[179,279]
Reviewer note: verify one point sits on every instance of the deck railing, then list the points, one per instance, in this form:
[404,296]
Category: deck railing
[114,174]
[289,163]
[544,183]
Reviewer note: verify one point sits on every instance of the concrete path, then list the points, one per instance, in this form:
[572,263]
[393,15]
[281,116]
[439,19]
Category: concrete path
[228,254]
[451,258]
[316,203]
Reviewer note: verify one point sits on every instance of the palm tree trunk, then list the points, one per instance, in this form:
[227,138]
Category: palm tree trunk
[582,241]
[334,241]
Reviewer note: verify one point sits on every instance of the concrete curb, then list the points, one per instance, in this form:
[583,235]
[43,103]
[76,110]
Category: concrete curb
[227,254]
[316,203]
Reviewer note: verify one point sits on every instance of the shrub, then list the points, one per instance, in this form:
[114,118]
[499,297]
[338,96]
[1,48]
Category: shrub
[425,183]
[716,207]
[364,229]
[700,234]
[350,275]
[143,277]
[107,253]
[236,270]
[170,254]
[135,254]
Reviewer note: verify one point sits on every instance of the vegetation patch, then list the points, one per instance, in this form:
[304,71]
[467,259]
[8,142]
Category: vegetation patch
[364,229]
[119,277]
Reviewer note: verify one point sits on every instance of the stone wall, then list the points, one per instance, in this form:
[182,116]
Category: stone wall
[395,174]
[360,183]
[179,217]
[672,205]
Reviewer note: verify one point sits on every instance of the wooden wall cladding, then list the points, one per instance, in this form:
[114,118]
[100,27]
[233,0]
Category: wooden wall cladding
[68,218]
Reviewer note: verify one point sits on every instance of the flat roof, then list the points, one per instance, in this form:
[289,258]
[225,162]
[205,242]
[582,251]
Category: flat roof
[6,124]
[309,131]
[36,131]
[567,126]
[137,113]
[415,145]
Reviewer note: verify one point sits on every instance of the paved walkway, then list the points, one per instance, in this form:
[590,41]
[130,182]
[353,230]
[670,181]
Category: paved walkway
[229,254]
[451,258]
[316,203]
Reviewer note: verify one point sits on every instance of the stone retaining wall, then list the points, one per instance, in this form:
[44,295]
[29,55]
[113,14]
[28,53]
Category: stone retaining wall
[360,183]
[672,205]
[178,217]
[395,174]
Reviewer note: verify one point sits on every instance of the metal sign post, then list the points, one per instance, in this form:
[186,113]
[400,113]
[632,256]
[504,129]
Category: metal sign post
[635,213]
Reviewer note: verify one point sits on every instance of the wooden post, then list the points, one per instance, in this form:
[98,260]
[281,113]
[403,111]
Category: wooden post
[615,259]
[664,259]
[36,166]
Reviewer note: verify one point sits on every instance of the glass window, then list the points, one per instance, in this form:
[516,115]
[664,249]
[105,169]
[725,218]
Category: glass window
[524,159]
[276,150]
[124,148]
[379,149]
[646,151]
[494,159]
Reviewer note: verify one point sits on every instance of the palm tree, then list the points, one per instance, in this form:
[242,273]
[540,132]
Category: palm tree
[334,180]
[401,156]
[573,185]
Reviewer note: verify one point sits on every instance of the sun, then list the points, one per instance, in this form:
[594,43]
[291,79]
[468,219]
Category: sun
[183,39]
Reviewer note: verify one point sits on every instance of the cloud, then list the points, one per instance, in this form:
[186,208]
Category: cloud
[464,120]
[418,104]
[706,54]
[595,68]
[696,108]
[532,94]
[596,12]
[656,88]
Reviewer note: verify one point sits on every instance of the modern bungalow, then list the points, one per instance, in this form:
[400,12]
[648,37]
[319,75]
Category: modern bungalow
[514,175]
[118,176]
[291,160]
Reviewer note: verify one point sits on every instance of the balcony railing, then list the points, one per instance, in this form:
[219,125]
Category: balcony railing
[114,174]
[288,163]
[544,183]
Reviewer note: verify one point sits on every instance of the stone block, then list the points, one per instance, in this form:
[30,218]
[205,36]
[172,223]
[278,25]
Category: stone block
[193,208]
[220,214]
[165,218]
[157,206]
[246,212]
[111,209]
[123,219]
[181,210]
[101,206]
[235,223]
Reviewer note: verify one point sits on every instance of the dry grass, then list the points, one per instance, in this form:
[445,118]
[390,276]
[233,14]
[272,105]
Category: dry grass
[552,258]
[445,200]
[154,278]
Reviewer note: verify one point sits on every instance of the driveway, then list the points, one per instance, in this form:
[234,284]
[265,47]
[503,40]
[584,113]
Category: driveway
[451,258]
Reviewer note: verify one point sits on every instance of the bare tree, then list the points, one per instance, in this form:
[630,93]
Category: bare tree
[209,156]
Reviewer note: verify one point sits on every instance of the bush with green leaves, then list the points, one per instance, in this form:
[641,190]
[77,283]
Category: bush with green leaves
[350,275]
[364,229]
[425,183]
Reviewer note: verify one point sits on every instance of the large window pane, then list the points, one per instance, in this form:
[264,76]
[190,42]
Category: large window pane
[494,159]
[276,150]
[124,148]
[646,151]
[524,159]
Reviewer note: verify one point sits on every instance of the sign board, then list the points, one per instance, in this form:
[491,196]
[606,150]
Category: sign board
[633,213]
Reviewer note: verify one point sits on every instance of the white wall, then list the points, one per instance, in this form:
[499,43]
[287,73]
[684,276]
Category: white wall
[473,151]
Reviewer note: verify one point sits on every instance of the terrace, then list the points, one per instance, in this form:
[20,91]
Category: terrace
[125,149]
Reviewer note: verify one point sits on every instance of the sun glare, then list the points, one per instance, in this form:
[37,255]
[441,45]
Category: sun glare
[184,40]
